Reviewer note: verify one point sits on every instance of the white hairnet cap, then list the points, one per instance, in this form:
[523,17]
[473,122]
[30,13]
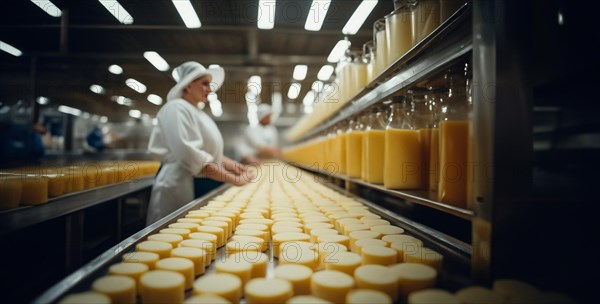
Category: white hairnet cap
[190,71]
[263,111]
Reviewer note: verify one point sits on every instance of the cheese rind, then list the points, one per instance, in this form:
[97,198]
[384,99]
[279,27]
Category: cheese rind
[261,290]
[120,289]
[160,286]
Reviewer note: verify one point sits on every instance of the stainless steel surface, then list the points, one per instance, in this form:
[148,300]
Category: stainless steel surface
[420,197]
[12,220]
[451,40]
[93,267]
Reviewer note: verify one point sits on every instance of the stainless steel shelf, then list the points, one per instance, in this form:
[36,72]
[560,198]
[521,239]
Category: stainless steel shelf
[450,41]
[421,197]
[16,219]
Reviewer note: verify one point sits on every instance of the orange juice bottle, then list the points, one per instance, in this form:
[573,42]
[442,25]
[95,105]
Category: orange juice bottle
[402,156]
[354,143]
[375,143]
[341,147]
[399,29]
[364,120]
[454,135]
[425,106]
[381,47]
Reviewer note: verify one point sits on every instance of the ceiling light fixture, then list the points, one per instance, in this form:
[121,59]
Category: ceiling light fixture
[157,61]
[48,7]
[43,100]
[98,89]
[325,72]
[316,15]
[359,17]
[136,85]
[338,51]
[266,14]
[187,13]
[115,69]
[69,110]
[10,49]
[135,113]
[294,91]
[155,99]
[115,8]
[300,72]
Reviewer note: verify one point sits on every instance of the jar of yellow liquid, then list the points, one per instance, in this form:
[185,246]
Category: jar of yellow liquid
[10,190]
[368,59]
[375,143]
[399,30]
[381,47]
[364,121]
[425,104]
[34,189]
[425,19]
[354,143]
[454,136]
[360,73]
[403,156]
[340,147]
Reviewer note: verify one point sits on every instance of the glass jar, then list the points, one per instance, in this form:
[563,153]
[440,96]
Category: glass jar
[399,30]
[375,145]
[425,19]
[425,106]
[454,135]
[354,142]
[365,120]
[340,146]
[367,59]
[402,149]
[381,47]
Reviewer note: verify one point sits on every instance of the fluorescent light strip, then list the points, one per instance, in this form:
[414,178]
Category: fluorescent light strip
[187,13]
[115,69]
[43,100]
[300,72]
[115,8]
[103,119]
[135,113]
[294,91]
[266,14]
[136,85]
[156,60]
[325,72]
[309,98]
[69,110]
[155,99]
[255,84]
[98,89]
[316,15]
[10,49]
[338,51]
[359,17]
[48,7]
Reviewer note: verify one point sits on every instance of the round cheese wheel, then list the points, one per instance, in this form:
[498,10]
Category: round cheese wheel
[216,231]
[173,239]
[307,300]
[359,244]
[228,221]
[161,248]
[476,294]
[310,226]
[281,229]
[298,275]
[132,270]
[181,265]
[378,255]
[340,224]
[280,238]
[206,299]
[331,285]
[364,296]
[207,246]
[243,245]
[219,224]
[334,238]
[345,262]
[400,238]
[85,298]
[413,277]
[514,291]
[260,227]
[374,222]
[328,252]
[159,286]
[254,239]
[377,277]
[362,234]
[190,220]
[225,285]
[261,290]
[148,258]
[291,223]
[432,296]
[301,253]
[236,266]
[347,229]
[183,232]
[268,222]
[203,236]
[425,256]
[196,255]
[120,289]
[189,226]
[387,229]
[315,233]
[256,233]
[258,260]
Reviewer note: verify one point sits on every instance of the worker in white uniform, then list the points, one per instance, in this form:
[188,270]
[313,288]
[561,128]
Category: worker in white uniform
[261,141]
[188,142]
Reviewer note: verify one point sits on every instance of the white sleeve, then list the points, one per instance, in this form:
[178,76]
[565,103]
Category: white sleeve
[254,138]
[184,139]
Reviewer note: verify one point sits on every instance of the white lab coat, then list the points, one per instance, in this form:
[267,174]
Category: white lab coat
[258,137]
[185,139]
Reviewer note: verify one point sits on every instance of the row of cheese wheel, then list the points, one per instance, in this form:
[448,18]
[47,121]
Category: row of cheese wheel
[28,186]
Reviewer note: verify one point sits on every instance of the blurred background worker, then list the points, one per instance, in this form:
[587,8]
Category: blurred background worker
[261,141]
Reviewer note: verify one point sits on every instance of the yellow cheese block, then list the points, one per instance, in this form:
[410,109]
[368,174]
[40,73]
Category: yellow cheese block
[413,277]
[203,236]
[307,300]
[316,233]
[345,262]
[404,247]
[228,221]
[225,285]
[359,244]
[476,294]
[236,266]
[161,248]
[207,246]
[310,226]
[132,270]
[261,227]
[250,215]
[296,224]
[120,289]
[183,232]
[400,238]
[359,235]
[425,256]
[281,229]
[377,277]
[261,290]
[258,260]
[191,221]
[331,285]
[514,291]
[374,222]
[253,239]
[335,238]
[366,296]
[148,258]
[327,252]
[206,299]
[159,286]
[301,253]
[268,222]
[219,224]
[432,296]
[89,297]
[198,214]
[379,255]
[181,265]
[173,239]
[298,275]
[316,219]
[196,255]
[347,229]
[340,224]
[34,190]
[216,231]
[256,233]
[387,229]
[244,245]
[280,238]
[192,227]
